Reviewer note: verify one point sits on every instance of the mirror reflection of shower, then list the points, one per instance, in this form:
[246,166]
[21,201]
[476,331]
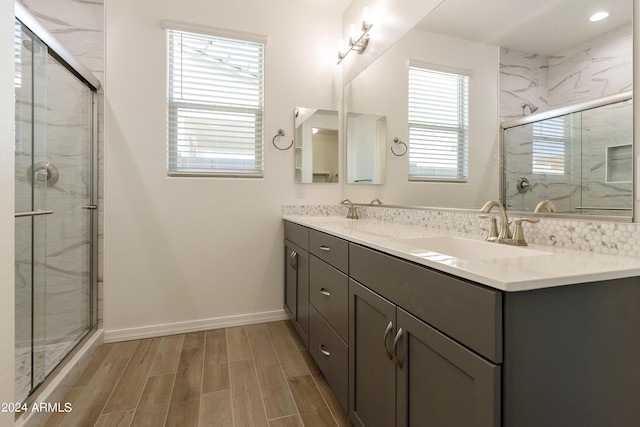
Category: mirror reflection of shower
[532,108]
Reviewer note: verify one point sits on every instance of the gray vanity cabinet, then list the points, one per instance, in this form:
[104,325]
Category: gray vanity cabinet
[402,344]
[296,282]
[404,372]
[431,345]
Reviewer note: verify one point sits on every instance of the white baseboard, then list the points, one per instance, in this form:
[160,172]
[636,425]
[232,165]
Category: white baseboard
[142,332]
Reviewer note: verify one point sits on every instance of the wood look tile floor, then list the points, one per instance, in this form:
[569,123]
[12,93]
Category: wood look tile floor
[254,375]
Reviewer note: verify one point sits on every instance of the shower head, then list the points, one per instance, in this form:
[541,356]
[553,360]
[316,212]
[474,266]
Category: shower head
[532,108]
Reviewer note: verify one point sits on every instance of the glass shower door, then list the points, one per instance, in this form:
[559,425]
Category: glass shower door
[55,210]
[31,210]
[70,196]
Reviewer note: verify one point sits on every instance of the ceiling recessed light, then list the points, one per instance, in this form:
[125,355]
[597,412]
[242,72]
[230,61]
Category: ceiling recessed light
[598,16]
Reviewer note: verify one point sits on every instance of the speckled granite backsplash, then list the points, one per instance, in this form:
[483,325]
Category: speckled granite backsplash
[613,238]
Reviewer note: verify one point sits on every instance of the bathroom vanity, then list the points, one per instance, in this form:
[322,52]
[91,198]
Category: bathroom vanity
[409,336]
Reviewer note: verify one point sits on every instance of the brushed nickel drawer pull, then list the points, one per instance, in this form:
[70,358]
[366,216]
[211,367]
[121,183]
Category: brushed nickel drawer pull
[384,340]
[325,248]
[323,351]
[325,292]
[293,260]
[395,348]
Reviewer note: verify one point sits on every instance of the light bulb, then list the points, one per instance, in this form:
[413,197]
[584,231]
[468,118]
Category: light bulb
[366,15]
[353,34]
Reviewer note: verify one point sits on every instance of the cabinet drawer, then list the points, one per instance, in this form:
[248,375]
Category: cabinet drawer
[329,294]
[331,354]
[296,233]
[330,249]
[471,314]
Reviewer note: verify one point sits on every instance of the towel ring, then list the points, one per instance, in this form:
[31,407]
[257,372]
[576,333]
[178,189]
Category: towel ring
[397,141]
[281,133]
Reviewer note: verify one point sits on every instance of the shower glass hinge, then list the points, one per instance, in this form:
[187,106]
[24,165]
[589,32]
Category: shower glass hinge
[92,207]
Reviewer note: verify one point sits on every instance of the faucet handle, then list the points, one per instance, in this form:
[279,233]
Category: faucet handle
[493,230]
[518,234]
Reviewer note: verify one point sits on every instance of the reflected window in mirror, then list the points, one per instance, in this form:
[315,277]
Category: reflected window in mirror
[438,124]
[549,139]
[316,145]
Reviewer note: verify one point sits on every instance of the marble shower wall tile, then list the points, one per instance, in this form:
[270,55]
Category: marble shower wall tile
[596,68]
[523,78]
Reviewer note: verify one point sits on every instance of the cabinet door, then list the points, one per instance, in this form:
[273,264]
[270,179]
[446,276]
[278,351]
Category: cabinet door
[440,382]
[372,373]
[296,287]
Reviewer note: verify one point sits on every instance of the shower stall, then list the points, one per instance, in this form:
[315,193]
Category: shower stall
[580,157]
[55,203]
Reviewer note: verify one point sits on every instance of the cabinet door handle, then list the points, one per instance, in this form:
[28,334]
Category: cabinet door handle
[323,351]
[325,292]
[325,248]
[384,342]
[395,348]
[293,259]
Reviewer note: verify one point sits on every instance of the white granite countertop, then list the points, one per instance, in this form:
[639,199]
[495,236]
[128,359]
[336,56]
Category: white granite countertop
[545,266]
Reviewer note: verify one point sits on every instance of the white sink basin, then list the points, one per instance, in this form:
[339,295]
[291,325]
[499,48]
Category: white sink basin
[469,249]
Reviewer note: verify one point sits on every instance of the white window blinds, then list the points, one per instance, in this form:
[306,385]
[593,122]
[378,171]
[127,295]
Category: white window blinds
[548,146]
[216,105]
[438,124]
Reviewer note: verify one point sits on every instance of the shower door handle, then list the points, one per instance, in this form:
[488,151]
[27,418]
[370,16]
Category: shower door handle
[91,207]
[32,213]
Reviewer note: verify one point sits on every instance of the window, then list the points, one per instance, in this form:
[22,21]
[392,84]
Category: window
[438,124]
[216,105]
[548,146]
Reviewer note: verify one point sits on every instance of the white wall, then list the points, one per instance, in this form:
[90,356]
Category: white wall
[7,278]
[190,249]
[382,89]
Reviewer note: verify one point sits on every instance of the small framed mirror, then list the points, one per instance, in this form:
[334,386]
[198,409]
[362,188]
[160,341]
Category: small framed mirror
[366,142]
[316,145]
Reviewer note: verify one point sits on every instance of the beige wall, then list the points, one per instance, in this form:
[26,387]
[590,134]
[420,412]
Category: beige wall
[189,250]
[7,278]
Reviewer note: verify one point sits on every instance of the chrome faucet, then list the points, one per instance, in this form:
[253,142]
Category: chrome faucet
[546,204]
[505,232]
[352,213]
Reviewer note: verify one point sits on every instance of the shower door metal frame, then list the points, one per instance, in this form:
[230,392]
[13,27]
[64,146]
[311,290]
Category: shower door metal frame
[68,61]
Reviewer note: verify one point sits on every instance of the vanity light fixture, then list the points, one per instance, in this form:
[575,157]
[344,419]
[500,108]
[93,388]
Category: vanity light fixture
[598,16]
[358,42]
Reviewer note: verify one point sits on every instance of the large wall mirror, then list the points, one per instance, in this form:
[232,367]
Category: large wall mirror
[316,145]
[522,57]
